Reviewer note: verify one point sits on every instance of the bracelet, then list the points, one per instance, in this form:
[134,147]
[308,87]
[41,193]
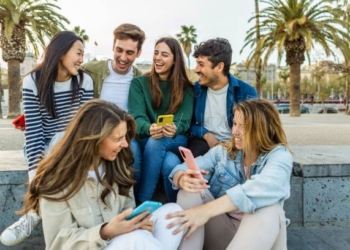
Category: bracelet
[179,178]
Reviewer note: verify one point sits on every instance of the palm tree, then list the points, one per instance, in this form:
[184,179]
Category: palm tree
[284,75]
[24,23]
[187,38]
[292,27]
[317,73]
[258,65]
[345,15]
[1,92]
[81,32]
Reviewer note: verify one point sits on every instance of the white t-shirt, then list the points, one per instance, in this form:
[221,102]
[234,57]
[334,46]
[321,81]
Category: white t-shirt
[215,115]
[115,87]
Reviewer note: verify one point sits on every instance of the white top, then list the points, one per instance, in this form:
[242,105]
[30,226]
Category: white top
[215,115]
[92,173]
[115,87]
[40,126]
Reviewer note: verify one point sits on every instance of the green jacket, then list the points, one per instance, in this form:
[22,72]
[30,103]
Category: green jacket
[98,70]
[141,108]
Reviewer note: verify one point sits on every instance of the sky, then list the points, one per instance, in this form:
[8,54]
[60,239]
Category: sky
[211,18]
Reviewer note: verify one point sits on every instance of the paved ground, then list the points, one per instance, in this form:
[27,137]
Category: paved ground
[310,129]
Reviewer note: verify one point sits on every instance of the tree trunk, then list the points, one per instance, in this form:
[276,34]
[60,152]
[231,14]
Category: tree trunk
[1,94]
[294,89]
[14,83]
[258,69]
[346,100]
[188,59]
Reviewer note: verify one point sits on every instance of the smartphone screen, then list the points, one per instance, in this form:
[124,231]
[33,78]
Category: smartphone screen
[190,161]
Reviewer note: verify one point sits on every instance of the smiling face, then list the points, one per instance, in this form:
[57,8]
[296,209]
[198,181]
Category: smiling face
[207,75]
[114,142]
[238,130]
[163,60]
[71,61]
[125,53]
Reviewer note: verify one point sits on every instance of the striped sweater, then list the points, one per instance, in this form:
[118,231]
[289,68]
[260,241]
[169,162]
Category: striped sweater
[40,126]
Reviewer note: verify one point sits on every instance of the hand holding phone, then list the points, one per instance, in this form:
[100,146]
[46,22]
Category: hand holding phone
[149,206]
[165,119]
[190,161]
[19,121]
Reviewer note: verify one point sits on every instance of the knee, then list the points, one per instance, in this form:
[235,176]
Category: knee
[170,162]
[162,212]
[171,208]
[155,144]
[187,200]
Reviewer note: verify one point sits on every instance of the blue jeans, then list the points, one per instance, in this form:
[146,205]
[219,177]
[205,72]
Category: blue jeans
[153,154]
[135,146]
[171,160]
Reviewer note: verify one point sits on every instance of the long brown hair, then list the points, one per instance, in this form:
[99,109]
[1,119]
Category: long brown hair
[66,167]
[44,75]
[178,78]
[263,129]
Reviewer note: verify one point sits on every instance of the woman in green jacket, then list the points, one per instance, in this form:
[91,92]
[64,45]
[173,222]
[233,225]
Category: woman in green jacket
[166,89]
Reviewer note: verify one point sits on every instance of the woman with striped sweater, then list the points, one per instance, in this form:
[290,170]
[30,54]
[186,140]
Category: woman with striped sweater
[52,94]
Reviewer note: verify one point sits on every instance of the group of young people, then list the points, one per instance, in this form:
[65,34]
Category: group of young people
[94,151]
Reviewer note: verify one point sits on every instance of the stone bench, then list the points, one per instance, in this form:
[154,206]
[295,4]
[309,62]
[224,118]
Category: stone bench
[320,190]
[320,194]
[13,176]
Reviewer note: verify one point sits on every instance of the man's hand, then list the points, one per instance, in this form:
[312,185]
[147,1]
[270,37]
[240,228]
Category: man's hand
[210,139]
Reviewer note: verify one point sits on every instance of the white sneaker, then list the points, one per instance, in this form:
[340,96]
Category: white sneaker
[20,230]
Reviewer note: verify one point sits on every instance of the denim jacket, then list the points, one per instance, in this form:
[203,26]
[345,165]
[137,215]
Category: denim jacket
[237,92]
[269,181]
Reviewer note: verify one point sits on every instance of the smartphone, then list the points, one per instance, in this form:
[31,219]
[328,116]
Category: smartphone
[189,160]
[151,206]
[19,121]
[165,119]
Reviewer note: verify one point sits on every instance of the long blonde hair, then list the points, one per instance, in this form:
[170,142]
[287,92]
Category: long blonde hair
[263,129]
[68,164]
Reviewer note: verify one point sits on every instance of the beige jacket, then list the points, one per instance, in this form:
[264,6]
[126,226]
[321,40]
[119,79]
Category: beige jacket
[76,223]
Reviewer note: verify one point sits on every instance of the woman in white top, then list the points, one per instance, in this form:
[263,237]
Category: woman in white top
[84,188]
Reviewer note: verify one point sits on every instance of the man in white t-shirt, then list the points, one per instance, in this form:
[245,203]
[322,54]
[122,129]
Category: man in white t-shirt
[216,93]
[112,78]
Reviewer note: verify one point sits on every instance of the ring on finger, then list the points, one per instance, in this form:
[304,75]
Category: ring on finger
[184,219]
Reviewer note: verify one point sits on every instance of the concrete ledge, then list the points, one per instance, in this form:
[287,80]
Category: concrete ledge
[293,207]
[323,161]
[12,160]
[325,186]
[12,190]
[320,198]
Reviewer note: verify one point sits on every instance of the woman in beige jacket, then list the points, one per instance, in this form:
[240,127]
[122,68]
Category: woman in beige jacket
[84,189]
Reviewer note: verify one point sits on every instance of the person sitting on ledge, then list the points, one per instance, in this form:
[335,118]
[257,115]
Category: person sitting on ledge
[239,202]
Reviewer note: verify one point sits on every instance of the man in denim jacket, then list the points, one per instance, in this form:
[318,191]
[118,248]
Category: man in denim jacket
[216,92]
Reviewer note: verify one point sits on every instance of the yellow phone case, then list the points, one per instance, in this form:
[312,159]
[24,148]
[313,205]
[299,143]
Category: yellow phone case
[165,119]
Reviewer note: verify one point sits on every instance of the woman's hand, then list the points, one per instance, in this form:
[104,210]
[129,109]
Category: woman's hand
[148,226]
[155,131]
[20,128]
[169,130]
[118,225]
[190,219]
[191,184]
